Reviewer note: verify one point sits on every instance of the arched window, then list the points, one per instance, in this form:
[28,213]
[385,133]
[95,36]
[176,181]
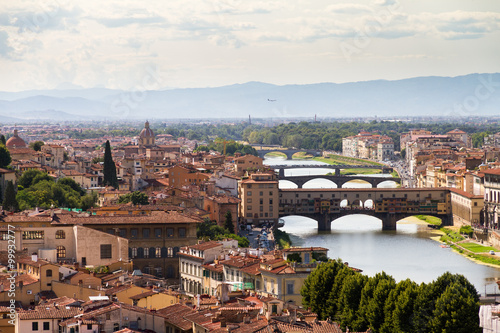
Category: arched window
[152,252]
[61,252]
[158,252]
[176,250]
[60,234]
[140,252]
[163,252]
[134,252]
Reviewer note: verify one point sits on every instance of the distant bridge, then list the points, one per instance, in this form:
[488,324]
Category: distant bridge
[388,204]
[337,167]
[262,150]
[338,180]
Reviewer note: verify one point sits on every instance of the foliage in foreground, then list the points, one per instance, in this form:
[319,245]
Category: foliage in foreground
[209,230]
[448,304]
[282,239]
[38,189]
[137,198]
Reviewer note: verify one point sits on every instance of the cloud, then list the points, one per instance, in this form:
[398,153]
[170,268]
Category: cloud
[126,21]
[5,49]
[49,18]
[349,8]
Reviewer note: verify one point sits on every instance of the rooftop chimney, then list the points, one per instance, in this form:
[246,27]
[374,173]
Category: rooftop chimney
[34,257]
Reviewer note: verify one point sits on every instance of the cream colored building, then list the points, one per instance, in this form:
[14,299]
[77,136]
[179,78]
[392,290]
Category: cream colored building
[259,196]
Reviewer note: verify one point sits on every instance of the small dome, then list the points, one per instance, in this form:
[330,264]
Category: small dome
[146,131]
[15,141]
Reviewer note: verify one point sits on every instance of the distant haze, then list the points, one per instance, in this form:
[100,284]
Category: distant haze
[462,96]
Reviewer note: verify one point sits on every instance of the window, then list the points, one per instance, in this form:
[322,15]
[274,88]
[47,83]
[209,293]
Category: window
[5,235]
[89,327]
[134,252]
[182,232]
[249,193]
[48,273]
[170,232]
[261,201]
[105,251]
[34,326]
[60,234]
[158,252]
[145,233]
[32,234]
[249,200]
[249,207]
[123,233]
[261,193]
[157,232]
[270,201]
[61,252]
[289,288]
[46,326]
[134,233]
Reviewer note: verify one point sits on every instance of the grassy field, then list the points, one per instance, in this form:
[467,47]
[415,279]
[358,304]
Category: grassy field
[276,154]
[338,159]
[302,156]
[430,219]
[451,236]
[347,172]
[477,248]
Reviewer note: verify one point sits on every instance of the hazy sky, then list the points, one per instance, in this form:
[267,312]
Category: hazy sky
[159,44]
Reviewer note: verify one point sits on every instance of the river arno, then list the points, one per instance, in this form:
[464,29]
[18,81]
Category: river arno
[408,252]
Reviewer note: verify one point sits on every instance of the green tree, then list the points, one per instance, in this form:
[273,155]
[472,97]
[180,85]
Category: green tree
[456,310]
[398,308]
[136,197]
[334,293]
[2,140]
[371,306]
[317,287]
[349,299]
[403,153]
[228,222]
[71,183]
[109,168]
[26,179]
[5,158]
[9,201]
[425,302]
[36,145]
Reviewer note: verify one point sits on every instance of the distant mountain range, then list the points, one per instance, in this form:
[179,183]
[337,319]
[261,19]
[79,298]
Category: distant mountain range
[461,96]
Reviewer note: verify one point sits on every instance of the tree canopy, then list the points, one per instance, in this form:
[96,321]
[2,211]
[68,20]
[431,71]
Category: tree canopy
[5,158]
[137,198]
[448,304]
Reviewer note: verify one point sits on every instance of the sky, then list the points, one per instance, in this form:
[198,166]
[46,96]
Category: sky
[151,45]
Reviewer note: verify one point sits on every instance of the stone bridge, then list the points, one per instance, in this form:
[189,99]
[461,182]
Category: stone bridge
[288,152]
[338,180]
[388,204]
[337,168]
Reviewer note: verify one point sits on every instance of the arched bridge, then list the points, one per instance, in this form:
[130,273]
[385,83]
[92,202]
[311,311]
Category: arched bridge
[388,204]
[288,152]
[338,180]
[337,168]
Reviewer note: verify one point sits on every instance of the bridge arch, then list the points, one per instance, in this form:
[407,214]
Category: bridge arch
[369,204]
[283,183]
[387,183]
[361,183]
[311,183]
[282,154]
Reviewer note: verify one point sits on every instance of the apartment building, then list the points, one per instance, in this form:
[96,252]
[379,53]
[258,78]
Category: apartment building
[259,196]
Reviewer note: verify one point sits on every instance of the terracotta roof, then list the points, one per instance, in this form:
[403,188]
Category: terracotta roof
[174,315]
[54,312]
[143,295]
[205,245]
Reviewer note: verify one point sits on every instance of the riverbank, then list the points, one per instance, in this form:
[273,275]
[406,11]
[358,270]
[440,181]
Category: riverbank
[469,248]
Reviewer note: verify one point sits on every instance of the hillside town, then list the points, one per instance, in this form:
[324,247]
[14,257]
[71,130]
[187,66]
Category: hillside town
[140,266]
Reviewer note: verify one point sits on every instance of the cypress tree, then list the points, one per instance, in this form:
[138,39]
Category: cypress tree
[228,223]
[9,200]
[2,140]
[109,168]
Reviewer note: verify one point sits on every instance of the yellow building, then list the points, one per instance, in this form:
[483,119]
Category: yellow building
[259,196]
[155,300]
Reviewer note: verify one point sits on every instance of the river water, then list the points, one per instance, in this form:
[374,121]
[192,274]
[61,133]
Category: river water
[407,252]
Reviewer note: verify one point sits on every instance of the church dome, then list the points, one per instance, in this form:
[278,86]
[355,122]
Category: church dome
[15,141]
[146,131]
